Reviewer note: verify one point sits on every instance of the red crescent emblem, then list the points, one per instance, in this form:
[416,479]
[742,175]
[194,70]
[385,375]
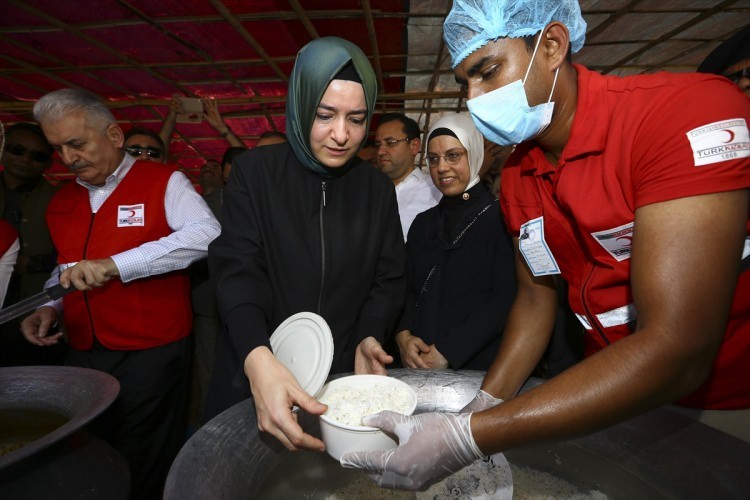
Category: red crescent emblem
[731,135]
[132,213]
[626,240]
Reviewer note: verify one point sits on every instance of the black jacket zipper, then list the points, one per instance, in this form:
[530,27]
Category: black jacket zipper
[322,245]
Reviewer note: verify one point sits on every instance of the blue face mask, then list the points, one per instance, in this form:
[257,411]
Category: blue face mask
[504,116]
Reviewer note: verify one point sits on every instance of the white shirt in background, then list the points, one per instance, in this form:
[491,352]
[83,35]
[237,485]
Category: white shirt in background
[7,263]
[415,194]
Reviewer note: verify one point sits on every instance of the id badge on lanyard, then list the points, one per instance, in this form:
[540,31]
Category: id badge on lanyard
[534,249]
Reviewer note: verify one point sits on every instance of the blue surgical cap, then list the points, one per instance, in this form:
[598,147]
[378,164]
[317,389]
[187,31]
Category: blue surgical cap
[472,23]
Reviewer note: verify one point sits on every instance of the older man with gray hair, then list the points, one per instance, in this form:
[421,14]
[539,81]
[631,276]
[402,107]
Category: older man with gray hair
[125,231]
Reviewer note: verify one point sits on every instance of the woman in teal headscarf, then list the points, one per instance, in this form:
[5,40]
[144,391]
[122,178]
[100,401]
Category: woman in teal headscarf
[307,226]
[321,64]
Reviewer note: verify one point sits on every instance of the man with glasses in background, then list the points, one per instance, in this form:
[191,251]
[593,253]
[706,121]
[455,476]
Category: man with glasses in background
[145,144]
[397,141]
[24,196]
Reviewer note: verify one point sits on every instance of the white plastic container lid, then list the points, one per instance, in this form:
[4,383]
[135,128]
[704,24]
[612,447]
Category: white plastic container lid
[304,344]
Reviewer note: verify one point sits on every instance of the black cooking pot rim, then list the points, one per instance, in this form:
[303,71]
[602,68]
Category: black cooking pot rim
[79,394]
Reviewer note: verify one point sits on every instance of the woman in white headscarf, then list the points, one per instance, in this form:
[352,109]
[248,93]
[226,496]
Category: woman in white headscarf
[460,265]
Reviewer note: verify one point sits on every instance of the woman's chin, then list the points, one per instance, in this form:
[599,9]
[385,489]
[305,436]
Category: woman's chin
[334,161]
[451,190]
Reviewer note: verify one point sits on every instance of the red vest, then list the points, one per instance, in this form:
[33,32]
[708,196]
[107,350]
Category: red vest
[144,313]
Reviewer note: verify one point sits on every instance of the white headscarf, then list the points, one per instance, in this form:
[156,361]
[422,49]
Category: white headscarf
[470,138]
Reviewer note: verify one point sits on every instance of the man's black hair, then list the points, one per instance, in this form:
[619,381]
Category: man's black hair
[32,128]
[731,51]
[408,126]
[230,153]
[148,133]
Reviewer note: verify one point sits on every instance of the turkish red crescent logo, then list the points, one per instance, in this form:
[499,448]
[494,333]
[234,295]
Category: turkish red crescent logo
[731,135]
[132,213]
[628,240]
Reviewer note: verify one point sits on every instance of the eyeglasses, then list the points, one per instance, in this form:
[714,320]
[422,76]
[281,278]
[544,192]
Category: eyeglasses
[20,150]
[390,143]
[451,158]
[143,150]
[743,73]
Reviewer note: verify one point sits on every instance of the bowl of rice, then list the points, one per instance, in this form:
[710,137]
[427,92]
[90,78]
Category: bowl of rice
[351,398]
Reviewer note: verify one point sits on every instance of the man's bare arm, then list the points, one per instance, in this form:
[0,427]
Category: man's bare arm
[685,264]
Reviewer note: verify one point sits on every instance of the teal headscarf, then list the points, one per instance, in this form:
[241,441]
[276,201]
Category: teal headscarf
[317,64]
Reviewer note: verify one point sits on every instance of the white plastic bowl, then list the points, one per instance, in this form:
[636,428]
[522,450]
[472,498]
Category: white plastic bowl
[341,438]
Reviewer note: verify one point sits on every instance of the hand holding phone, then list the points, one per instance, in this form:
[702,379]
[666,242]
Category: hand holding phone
[192,110]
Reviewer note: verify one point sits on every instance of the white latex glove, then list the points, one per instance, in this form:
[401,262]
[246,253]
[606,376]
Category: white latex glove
[431,447]
[482,401]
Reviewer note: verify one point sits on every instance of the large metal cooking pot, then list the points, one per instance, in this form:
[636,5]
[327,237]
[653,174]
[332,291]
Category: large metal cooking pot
[67,462]
[660,454]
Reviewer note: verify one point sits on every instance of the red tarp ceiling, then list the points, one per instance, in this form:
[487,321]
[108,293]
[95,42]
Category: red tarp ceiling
[138,54]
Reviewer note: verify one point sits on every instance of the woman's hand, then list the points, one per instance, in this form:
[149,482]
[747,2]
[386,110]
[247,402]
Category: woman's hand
[371,358]
[411,348]
[275,391]
[433,359]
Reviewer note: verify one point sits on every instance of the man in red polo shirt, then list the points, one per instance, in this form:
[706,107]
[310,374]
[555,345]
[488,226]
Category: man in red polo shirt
[635,191]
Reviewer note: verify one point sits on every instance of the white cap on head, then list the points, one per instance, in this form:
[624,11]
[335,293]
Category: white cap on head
[472,23]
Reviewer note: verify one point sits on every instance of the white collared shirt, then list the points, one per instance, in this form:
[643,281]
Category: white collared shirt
[415,194]
[7,263]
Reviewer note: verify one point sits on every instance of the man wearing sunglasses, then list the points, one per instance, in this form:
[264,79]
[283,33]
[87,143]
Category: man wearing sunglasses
[24,196]
[144,144]
[397,142]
